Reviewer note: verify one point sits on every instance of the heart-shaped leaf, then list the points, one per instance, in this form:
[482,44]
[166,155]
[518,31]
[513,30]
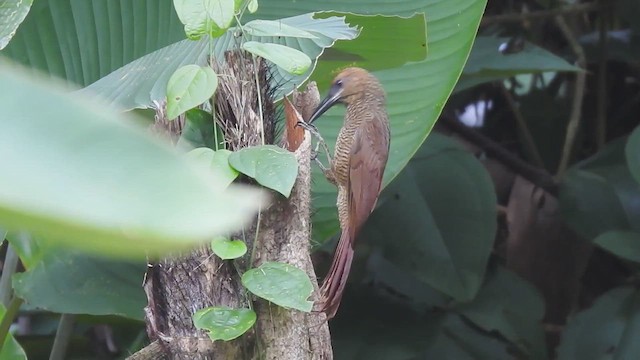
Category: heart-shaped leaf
[271,166]
[188,87]
[224,323]
[228,249]
[280,283]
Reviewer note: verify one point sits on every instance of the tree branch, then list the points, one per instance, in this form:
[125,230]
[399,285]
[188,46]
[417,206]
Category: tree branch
[542,14]
[578,96]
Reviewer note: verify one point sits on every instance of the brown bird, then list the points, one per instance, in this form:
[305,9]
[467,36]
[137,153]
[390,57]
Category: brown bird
[361,153]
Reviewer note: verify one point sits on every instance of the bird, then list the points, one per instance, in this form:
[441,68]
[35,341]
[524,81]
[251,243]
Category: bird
[360,158]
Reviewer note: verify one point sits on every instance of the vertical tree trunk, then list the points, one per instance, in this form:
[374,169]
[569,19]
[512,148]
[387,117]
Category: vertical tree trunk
[178,287]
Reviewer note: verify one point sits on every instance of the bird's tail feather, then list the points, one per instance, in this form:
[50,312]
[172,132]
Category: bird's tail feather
[336,280]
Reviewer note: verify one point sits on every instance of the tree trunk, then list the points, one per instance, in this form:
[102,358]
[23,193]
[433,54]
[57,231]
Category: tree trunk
[177,287]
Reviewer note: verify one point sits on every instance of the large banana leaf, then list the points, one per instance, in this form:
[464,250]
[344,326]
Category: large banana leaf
[86,40]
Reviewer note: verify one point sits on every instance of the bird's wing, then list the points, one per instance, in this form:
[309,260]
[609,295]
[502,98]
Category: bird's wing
[368,159]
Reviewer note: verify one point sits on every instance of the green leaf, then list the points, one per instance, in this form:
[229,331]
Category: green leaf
[624,244]
[11,349]
[202,17]
[217,162]
[598,194]
[12,13]
[200,131]
[280,283]
[82,41]
[514,308]
[607,330]
[289,59]
[271,166]
[224,323]
[398,331]
[274,28]
[375,48]
[442,206]
[188,87]
[228,249]
[110,187]
[30,250]
[486,63]
[632,152]
[220,11]
[72,283]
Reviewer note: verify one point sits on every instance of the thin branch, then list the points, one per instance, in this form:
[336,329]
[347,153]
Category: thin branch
[601,102]
[529,144]
[535,175]
[63,337]
[578,96]
[8,269]
[542,14]
[9,316]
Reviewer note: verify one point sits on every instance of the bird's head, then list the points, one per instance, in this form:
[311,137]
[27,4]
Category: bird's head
[347,87]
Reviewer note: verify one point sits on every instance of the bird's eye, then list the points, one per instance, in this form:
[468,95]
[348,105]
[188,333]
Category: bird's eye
[339,82]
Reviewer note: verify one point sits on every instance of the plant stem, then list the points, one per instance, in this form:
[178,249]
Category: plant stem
[8,269]
[529,144]
[63,337]
[7,319]
[578,97]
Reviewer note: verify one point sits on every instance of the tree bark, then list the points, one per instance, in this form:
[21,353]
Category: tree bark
[179,286]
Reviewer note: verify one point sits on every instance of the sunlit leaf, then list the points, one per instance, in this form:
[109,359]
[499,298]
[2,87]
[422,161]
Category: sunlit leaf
[188,87]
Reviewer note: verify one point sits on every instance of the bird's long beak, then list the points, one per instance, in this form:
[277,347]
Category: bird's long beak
[332,98]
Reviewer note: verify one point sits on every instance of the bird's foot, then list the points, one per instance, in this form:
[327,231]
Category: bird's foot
[320,142]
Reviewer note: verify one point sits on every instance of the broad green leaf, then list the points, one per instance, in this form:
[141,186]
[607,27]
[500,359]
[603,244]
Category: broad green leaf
[401,332]
[73,283]
[624,244]
[281,284]
[224,323]
[271,166]
[514,308]
[598,194]
[12,13]
[82,41]
[607,330]
[145,78]
[11,349]
[228,249]
[274,28]
[217,162]
[220,11]
[632,152]
[442,206]
[375,48]
[188,87]
[486,63]
[110,188]
[289,59]
[200,131]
